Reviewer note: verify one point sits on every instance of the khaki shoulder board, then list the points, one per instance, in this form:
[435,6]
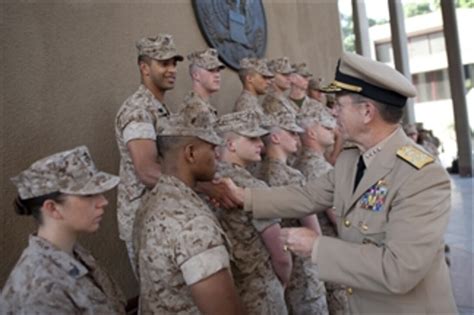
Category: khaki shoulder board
[414,156]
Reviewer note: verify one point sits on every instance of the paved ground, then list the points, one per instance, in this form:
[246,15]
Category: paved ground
[459,237]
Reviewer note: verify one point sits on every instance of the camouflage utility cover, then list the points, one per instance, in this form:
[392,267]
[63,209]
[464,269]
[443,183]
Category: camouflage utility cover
[161,47]
[70,172]
[281,65]
[258,65]
[302,69]
[207,59]
[246,123]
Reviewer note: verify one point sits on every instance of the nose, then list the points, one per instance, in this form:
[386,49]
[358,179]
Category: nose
[259,143]
[101,201]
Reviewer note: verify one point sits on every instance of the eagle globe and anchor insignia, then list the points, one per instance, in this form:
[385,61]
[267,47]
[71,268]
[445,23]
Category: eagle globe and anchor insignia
[236,28]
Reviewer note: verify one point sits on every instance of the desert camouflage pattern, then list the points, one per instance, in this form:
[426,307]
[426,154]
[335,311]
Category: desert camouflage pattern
[258,286]
[272,102]
[137,118]
[246,123]
[207,59]
[310,108]
[70,172]
[280,65]
[285,120]
[315,84]
[302,69]
[305,293]
[160,47]
[314,165]
[259,65]
[192,121]
[246,101]
[47,280]
[193,100]
[178,242]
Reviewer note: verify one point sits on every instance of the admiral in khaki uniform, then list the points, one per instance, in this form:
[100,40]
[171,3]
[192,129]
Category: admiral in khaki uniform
[391,224]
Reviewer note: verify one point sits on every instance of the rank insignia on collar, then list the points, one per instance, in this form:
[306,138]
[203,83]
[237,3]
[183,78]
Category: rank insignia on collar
[374,198]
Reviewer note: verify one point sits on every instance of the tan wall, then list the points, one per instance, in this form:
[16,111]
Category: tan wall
[67,66]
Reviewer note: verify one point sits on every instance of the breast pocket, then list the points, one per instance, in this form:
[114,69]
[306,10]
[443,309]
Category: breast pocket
[371,228]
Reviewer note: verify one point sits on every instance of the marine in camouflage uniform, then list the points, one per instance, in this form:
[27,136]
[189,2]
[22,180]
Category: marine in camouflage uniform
[205,70]
[312,165]
[275,100]
[177,238]
[259,287]
[305,293]
[136,120]
[46,278]
[254,75]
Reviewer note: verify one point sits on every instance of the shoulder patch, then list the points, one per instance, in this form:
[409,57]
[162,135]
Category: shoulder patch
[414,156]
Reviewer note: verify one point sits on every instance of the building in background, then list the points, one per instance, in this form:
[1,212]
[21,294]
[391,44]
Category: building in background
[428,65]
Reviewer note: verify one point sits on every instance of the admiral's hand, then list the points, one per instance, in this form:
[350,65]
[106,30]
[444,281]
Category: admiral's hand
[299,241]
[223,192]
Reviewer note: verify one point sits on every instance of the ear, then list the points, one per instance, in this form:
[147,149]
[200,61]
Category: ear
[369,111]
[311,132]
[230,145]
[52,209]
[144,68]
[275,137]
[190,153]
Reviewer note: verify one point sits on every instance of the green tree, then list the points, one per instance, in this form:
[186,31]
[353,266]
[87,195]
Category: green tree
[347,26]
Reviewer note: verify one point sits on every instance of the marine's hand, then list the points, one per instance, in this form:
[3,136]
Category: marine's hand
[223,192]
[299,240]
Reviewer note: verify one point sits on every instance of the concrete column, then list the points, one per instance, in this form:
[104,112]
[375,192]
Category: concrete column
[361,28]
[458,90]
[400,49]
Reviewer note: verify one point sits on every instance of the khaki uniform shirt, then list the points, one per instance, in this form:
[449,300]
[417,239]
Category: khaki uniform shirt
[390,253]
[178,242]
[274,103]
[305,287]
[136,119]
[47,280]
[259,288]
[247,101]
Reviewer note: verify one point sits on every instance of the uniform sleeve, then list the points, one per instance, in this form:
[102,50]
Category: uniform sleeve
[135,115]
[262,224]
[200,250]
[139,130]
[54,301]
[291,201]
[414,233]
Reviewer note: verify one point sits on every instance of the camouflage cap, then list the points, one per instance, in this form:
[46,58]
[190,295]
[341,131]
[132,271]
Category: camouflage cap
[207,59]
[191,121]
[160,47]
[410,129]
[259,65]
[318,114]
[245,123]
[302,69]
[285,120]
[315,84]
[70,172]
[281,65]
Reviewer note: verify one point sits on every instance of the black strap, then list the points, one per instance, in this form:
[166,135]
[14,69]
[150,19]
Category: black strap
[360,172]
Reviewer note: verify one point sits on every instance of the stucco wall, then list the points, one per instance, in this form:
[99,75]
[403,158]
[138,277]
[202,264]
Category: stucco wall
[68,65]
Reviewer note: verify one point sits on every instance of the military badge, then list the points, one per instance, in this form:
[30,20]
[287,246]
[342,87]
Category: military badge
[236,28]
[374,198]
